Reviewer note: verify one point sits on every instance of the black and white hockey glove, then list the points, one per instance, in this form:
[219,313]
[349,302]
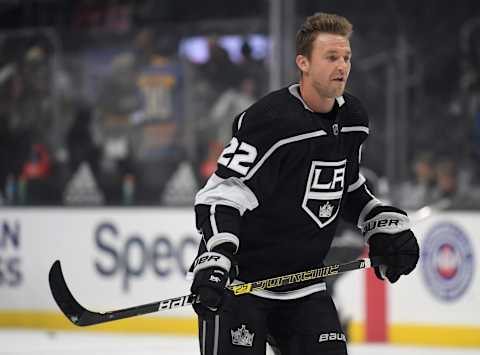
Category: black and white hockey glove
[212,272]
[387,231]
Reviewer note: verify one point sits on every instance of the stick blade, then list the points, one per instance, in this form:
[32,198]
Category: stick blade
[70,307]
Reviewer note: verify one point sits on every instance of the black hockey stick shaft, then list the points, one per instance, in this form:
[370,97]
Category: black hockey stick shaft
[81,316]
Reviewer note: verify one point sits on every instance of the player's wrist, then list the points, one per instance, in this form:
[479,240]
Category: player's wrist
[225,243]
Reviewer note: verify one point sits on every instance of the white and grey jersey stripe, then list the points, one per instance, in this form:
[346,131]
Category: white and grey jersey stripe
[294,90]
[240,120]
[220,238]
[347,129]
[279,144]
[360,181]
[232,191]
[216,334]
[228,192]
[374,202]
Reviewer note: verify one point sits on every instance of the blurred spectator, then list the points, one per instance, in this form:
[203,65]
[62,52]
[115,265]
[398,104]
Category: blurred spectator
[254,69]
[219,61]
[418,192]
[34,108]
[119,96]
[468,100]
[138,121]
[38,166]
[216,130]
[229,104]
[476,141]
[11,156]
[39,182]
[209,164]
[453,188]
[112,128]
[211,80]
[80,145]
[5,152]
[144,47]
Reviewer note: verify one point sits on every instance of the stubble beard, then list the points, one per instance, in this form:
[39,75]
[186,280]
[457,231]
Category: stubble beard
[329,91]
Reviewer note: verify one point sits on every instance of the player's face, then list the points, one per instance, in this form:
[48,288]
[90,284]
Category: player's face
[329,64]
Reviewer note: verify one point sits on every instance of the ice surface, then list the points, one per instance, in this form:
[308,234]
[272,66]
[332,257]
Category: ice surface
[24,342]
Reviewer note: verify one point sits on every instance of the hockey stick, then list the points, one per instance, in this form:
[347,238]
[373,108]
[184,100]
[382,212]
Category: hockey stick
[81,316]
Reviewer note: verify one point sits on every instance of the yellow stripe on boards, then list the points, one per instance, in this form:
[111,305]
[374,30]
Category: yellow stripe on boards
[437,335]
[57,321]
[427,335]
[356,332]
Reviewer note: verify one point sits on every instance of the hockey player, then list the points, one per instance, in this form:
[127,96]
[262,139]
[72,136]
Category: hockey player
[289,173]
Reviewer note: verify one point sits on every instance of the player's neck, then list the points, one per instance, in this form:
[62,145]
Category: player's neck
[315,101]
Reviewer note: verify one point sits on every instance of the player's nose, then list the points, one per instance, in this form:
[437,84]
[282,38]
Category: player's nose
[341,70]
[342,66]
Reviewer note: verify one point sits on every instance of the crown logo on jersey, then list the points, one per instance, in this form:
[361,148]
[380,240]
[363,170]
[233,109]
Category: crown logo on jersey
[242,336]
[326,210]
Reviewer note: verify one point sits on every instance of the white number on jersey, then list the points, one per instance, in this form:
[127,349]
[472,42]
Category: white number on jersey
[238,153]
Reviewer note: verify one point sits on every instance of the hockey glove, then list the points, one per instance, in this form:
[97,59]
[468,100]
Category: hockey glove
[213,271]
[387,231]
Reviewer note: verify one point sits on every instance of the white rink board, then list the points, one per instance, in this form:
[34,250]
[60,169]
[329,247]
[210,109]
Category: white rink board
[142,252]
[88,241]
[412,301]
[350,296]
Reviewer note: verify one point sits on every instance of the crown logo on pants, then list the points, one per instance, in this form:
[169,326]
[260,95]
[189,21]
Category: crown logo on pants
[242,336]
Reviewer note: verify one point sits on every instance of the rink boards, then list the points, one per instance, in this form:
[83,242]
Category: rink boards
[119,257]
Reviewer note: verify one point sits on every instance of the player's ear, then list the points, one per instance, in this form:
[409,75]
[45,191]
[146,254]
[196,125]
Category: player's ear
[302,63]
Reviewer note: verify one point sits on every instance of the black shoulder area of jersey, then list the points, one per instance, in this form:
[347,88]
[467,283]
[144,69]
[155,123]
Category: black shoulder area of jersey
[273,108]
[356,113]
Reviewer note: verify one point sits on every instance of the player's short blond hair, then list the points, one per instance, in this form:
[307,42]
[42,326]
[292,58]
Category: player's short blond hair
[320,23]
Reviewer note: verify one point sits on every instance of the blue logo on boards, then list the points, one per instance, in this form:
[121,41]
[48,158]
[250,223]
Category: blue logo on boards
[447,261]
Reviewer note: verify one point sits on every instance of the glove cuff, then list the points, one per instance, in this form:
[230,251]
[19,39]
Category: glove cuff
[219,240]
[212,259]
[385,220]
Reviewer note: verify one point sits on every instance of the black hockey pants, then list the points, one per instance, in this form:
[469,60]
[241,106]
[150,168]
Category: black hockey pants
[304,326]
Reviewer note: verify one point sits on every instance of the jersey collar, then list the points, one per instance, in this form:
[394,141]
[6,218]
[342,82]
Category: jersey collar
[295,91]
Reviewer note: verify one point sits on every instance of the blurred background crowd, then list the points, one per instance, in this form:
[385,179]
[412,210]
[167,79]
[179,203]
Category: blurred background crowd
[130,102]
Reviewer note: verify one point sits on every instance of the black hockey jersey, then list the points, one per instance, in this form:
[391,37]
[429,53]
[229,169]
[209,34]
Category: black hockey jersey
[281,185]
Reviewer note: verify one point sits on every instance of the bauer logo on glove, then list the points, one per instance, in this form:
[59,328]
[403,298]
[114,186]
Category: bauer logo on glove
[390,221]
[206,258]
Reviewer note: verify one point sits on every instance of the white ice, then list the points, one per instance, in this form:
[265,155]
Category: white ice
[24,342]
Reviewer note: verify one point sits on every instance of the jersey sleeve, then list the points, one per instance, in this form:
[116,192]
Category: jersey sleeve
[247,173]
[359,200]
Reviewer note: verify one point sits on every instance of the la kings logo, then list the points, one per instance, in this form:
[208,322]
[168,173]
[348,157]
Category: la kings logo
[324,191]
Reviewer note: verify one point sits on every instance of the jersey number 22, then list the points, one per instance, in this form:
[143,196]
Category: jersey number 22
[237,153]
